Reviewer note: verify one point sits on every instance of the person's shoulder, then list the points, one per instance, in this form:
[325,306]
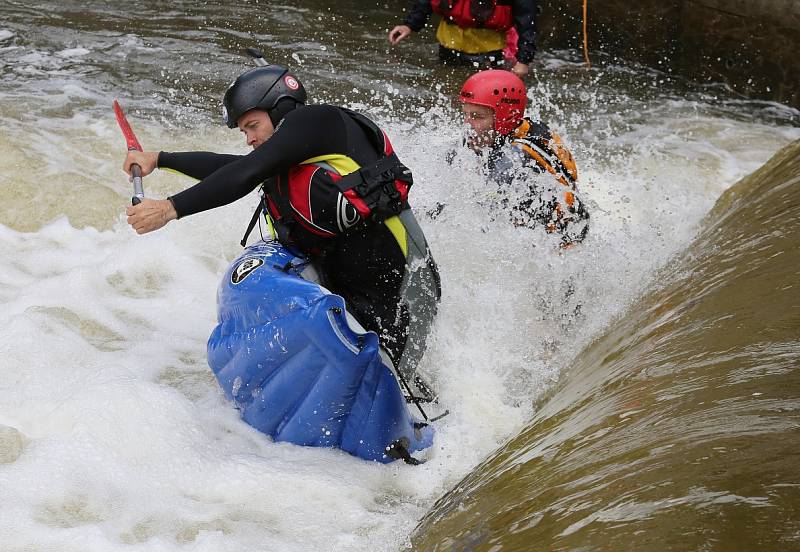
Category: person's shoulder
[322,108]
[514,160]
[511,151]
[530,129]
[309,114]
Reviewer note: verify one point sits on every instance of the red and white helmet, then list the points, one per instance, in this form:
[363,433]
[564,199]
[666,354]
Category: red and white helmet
[501,90]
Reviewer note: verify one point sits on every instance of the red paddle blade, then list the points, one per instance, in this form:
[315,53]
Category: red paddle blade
[130,137]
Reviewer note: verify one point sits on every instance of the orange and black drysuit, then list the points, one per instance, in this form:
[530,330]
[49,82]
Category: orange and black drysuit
[382,267]
[474,31]
[534,146]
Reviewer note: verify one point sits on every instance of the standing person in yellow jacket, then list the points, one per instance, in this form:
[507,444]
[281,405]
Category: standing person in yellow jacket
[473,32]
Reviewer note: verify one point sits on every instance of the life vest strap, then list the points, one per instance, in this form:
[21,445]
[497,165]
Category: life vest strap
[377,186]
[261,208]
[388,167]
[277,226]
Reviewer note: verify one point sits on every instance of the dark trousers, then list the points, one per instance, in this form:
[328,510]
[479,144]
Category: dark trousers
[486,60]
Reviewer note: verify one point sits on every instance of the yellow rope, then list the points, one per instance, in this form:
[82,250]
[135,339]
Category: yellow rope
[585,35]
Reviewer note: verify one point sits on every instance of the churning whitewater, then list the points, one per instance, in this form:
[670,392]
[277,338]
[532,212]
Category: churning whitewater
[114,434]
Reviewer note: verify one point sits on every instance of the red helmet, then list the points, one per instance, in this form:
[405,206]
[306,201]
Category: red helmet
[501,90]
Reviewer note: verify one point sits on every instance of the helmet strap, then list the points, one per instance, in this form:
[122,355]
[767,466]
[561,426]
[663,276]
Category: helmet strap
[281,109]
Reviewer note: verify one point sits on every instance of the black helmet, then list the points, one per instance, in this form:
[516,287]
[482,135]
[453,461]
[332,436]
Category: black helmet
[262,88]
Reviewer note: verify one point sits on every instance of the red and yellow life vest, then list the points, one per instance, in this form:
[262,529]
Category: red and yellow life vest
[489,14]
[328,195]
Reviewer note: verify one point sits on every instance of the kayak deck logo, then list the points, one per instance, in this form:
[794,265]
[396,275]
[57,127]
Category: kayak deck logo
[245,268]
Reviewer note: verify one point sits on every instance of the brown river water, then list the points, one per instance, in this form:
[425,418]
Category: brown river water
[679,427]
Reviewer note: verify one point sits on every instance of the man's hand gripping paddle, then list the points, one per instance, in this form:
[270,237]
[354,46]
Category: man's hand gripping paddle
[133,145]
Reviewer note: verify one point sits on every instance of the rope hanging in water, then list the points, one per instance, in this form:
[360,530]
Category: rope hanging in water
[585,35]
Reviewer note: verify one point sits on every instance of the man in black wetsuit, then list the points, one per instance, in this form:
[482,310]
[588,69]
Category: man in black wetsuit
[332,188]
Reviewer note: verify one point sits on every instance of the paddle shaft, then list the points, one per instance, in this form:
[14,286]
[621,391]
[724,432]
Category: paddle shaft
[138,188]
[133,145]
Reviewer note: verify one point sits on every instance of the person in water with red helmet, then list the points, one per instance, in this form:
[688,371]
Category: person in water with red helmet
[332,188]
[477,33]
[493,103]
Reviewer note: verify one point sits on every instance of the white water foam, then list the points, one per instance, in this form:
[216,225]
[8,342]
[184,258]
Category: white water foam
[114,435]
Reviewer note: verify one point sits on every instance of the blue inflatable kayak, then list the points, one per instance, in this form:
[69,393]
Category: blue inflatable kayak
[299,368]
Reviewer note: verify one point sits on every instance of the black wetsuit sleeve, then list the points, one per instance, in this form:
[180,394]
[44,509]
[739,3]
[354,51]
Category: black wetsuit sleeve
[418,15]
[525,22]
[304,133]
[195,164]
